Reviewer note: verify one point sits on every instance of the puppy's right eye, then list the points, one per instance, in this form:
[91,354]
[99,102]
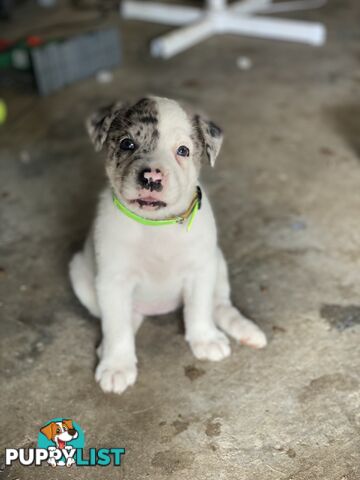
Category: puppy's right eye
[183,151]
[127,144]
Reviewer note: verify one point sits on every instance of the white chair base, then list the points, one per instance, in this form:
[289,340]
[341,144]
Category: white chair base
[219,18]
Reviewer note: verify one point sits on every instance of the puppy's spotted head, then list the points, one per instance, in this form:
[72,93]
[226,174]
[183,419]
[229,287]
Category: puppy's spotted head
[154,151]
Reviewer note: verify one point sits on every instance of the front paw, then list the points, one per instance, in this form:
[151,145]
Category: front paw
[115,376]
[239,327]
[214,346]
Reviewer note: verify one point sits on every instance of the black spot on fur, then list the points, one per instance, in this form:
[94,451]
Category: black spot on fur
[214,130]
[148,119]
[144,107]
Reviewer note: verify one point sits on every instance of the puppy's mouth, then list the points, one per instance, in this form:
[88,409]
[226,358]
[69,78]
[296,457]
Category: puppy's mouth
[149,203]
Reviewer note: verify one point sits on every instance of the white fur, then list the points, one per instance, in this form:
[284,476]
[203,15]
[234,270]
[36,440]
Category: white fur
[145,270]
[139,267]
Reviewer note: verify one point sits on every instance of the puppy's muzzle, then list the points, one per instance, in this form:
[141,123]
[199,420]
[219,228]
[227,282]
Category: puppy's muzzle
[151,179]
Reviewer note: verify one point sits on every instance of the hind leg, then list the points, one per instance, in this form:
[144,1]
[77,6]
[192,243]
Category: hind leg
[228,318]
[82,276]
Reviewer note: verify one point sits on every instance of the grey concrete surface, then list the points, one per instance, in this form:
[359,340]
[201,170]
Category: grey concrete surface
[286,191]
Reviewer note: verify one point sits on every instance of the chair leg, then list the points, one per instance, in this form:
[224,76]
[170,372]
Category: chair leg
[179,40]
[160,13]
[293,6]
[277,29]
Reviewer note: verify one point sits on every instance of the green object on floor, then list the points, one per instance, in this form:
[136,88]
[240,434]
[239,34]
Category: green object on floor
[3,112]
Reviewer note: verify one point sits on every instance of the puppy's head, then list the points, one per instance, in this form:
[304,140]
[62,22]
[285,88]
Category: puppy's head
[154,151]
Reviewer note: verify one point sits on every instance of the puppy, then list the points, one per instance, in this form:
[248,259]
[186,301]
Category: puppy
[153,245]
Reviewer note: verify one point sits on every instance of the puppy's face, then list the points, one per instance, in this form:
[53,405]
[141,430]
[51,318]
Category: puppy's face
[154,153]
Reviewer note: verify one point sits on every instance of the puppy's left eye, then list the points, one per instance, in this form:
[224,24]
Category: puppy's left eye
[183,151]
[127,144]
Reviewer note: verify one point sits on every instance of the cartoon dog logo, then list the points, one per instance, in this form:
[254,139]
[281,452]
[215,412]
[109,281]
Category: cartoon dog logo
[60,432]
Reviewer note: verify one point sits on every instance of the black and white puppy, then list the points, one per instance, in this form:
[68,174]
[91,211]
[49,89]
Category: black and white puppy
[132,264]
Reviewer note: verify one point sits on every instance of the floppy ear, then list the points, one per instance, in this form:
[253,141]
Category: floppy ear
[211,137]
[47,430]
[69,424]
[98,124]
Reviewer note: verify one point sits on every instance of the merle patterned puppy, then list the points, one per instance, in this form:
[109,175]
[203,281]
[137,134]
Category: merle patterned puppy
[153,245]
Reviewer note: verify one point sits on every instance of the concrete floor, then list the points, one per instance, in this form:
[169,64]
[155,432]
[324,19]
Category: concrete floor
[286,191]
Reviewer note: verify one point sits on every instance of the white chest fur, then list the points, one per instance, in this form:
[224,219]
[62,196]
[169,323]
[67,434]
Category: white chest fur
[156,260]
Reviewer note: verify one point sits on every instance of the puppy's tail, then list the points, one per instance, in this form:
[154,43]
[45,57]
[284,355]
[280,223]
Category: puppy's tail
[83,282]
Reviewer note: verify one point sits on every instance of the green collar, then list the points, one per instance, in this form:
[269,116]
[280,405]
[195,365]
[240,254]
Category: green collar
[189,214]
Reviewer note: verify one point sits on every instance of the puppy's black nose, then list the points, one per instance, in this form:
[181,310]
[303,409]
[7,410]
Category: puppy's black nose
[72,431]
[151,179]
